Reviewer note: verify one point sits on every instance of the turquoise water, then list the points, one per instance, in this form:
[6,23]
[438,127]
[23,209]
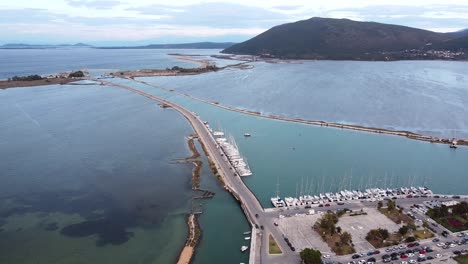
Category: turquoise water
[327,158]
[429,97]
[88,176]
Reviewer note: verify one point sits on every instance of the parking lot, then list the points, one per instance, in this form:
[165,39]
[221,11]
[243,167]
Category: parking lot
[298,229]
[358,226]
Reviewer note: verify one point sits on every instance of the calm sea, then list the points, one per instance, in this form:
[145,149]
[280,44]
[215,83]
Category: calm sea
[318,159]
[429,97]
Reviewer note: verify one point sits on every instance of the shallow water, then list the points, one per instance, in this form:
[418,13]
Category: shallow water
[429,97]
[88,176]
[322,159]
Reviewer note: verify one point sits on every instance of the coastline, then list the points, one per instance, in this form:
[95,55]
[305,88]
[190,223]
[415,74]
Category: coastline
[19,84]
[407,134]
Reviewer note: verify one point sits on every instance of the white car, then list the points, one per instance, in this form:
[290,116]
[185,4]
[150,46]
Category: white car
[422,255]
[440,244]
[326,256]
[453,245]
[412,261]
[410,255]
[404,262]
[438,255]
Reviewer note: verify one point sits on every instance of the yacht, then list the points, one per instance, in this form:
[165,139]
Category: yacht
[277,202]
[247,135]
[244,248]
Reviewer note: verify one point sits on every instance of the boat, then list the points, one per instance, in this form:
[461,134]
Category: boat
[453,145]
[247,233]
[276,201]
[246,238]
[244,248]
[247,135]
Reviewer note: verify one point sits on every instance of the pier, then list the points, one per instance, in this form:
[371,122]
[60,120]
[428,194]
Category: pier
[233,183]
[410,135]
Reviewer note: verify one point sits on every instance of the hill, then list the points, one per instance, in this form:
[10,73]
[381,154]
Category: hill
[456,44]
[326,38]
[198,45]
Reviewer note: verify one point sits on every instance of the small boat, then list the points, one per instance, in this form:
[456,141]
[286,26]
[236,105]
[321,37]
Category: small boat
[247,135]
[246,238]
[454,146]
[244,248]
[247,233]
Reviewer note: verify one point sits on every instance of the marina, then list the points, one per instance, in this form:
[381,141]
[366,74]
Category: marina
[370,194]
[231,151]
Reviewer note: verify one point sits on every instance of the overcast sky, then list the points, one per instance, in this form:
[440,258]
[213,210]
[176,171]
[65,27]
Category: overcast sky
[127,22]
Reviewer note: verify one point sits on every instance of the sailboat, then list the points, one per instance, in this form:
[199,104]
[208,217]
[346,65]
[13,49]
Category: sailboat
[277,201]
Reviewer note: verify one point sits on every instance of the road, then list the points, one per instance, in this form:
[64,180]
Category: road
[249,203]
[255,213]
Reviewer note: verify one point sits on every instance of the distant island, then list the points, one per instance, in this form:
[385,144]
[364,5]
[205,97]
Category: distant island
[197,45]
[344,39]
[43,46]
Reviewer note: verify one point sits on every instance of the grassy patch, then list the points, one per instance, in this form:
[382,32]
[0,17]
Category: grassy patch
[334,242]
[273,246]
[422,234]
[396,216]
[393,239]
[462,259]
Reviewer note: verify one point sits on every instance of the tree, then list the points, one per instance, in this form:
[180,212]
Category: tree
[338,229]
[391,205]
[403,230]
[412,226]
[328,222]
[378,234]
[345,238]
[461,208]
[379,205]
[77,74]
[311,256]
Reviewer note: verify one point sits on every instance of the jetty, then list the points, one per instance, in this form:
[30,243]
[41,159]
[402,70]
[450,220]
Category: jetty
[231,178]
[407,134]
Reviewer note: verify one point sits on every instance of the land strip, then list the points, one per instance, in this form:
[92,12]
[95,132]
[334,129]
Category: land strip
[406,134]
[47,81]
[192,240]
[233,182]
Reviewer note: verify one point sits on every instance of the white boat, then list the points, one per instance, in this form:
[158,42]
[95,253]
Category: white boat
[246,238]
[247,233]
[277,202]
[244,248]
[247,135]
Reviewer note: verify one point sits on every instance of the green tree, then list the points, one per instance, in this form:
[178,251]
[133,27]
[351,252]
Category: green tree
[391,205]
[403,230]
[311,256]
[345,238]
[412,226]
[379,205]
[328,222]
[77,74]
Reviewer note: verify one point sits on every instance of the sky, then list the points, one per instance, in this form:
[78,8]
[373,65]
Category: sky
[139,22]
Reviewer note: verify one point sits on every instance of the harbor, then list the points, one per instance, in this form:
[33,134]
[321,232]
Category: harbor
[221,149]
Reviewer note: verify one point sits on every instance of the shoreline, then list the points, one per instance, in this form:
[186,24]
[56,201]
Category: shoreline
[407,134]
[193,237]
[24,84]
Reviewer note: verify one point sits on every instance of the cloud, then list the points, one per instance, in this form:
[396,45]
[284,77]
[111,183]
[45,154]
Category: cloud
[222,15]
[441,18]
[96,4]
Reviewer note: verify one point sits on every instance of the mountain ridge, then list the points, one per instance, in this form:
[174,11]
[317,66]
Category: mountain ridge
[327,38]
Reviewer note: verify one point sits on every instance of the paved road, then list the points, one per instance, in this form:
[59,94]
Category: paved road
[255,213]
[252,207]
